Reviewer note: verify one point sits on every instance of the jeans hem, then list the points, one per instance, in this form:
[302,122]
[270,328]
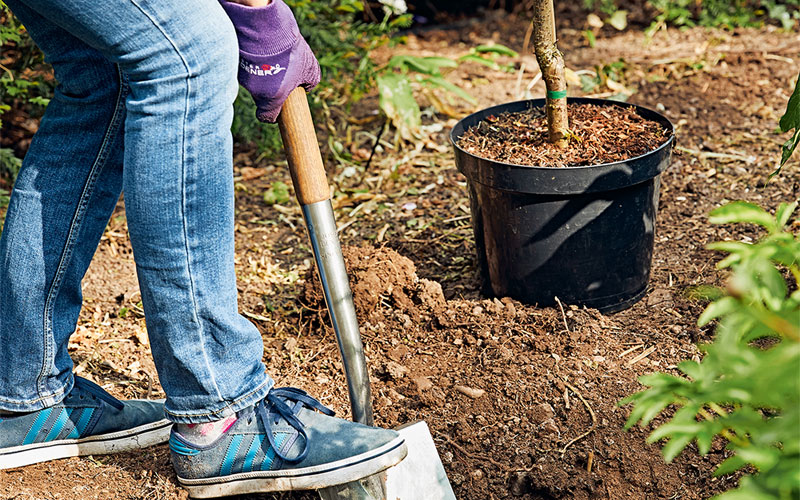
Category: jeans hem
[223,409]
[39,403]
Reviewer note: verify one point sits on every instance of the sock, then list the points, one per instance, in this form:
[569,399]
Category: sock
[206,433]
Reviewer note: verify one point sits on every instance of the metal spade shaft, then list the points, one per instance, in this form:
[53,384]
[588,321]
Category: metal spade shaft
[313,193]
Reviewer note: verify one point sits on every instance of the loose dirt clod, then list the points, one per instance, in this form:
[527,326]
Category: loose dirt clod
[600,134]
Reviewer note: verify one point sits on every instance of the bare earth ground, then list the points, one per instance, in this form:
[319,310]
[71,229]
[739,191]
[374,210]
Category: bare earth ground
[510,391]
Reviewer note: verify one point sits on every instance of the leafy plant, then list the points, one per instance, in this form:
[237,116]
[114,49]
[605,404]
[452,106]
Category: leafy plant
[746,389]
[396,97]
[724,13]
[277,193]
[790,120]
[24,82]
[9,167]
[398,78]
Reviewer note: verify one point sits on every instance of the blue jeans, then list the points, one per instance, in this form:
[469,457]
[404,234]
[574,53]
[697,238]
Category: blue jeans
[144,106]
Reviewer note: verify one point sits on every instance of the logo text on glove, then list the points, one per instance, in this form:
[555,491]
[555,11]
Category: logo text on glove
[261,69]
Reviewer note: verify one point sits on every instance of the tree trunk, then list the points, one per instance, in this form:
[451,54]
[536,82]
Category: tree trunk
[551,63]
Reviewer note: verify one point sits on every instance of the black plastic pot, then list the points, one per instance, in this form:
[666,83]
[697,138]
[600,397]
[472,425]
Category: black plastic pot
[582,234]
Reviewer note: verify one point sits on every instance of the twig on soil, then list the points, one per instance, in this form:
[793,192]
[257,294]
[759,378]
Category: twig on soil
[722,156]
[563,316]
[345,226]
[382,232]
[642,355]
[443,235]
[591,413]
[474,456]
[375,146]
[589,461]
[256,317]
[628,351]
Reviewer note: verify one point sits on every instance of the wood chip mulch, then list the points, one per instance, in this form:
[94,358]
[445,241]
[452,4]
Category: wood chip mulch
[600,134]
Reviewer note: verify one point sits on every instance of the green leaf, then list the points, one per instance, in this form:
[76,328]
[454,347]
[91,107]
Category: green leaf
[762,457]
[590,38]
[496,49]
[742,211]
[588,82]
[784,212]
[674,429]
[439,81]
[691,368]
[787,149]
[704,439]
[39,101]
[396,100]
[730,246]
[745,493]
[649,409]
[426,65]
[278,193]
[723,306]
[791,118]
[729,465]
[674,447]
[480,60]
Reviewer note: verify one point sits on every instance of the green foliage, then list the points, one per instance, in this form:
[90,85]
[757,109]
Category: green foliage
[746,389]
[248,130]
[277,193]
[9,167]
[709,13]
[23,82]
[790,120]
[605,6]
[397,79]
[9,164]
[725,13]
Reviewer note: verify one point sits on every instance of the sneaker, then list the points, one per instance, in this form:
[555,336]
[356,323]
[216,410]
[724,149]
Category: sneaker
[89,421]
[282,444]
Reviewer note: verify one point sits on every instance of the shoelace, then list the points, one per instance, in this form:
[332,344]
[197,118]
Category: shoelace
[286,403]
[97,391]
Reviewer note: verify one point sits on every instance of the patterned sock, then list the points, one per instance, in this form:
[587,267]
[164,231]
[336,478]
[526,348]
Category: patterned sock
[207,433]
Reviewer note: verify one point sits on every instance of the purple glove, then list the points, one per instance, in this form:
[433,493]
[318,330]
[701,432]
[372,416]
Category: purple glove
[274,59]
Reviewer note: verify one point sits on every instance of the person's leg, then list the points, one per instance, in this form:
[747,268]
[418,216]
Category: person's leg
[180,60]
[65,192]
[67,188]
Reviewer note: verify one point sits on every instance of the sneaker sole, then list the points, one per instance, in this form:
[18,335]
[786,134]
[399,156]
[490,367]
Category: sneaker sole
[101,444]
[307,478]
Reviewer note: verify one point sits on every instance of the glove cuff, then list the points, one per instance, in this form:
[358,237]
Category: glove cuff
[263,31]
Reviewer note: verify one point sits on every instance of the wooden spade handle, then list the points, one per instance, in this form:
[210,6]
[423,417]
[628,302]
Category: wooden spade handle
[302,149]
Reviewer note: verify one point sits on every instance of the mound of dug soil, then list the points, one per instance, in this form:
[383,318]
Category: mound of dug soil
[522,401]
[382,278]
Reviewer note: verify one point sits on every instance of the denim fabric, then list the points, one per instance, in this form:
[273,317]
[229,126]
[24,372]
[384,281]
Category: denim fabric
[143,105]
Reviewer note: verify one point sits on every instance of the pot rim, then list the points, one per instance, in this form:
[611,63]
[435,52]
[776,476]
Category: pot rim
[539,103]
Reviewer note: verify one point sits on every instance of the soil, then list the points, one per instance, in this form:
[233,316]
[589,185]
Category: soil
[598,135]
[522,401]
